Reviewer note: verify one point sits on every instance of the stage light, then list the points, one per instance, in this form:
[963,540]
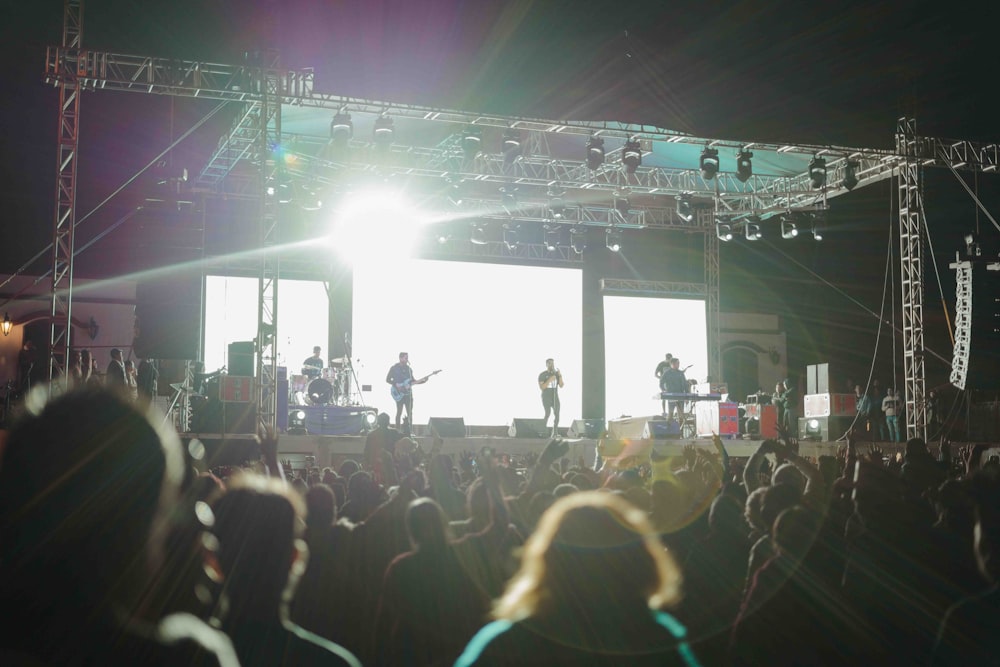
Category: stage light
[370,420]
[508,198]
[813,429]
[817,226]
[341,128]
[724,231]
[850,175]
[552,237]
[511,145]
[443,237]
[557,204]
[788,228]
[578,239]
[751,228]
[472,142]
[684,209]
[478,235]
[510,236]
[709,163]
[7,324]
[817,172]
[384,131]
[595,152]
[613,239]
[632,154]
[297,422]
[744,166]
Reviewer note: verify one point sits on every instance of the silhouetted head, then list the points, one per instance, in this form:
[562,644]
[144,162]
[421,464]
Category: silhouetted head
[86,481]
[321,507]
[427,525]
[580,537]
[795,531]
[776,500]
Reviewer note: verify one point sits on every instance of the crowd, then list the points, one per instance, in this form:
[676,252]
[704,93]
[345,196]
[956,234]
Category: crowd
[115,549]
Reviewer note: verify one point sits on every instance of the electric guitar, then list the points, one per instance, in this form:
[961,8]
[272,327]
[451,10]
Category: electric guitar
[403,389]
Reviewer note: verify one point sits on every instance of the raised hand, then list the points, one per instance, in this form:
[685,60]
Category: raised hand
[690,455]
[875,454]
[554,450]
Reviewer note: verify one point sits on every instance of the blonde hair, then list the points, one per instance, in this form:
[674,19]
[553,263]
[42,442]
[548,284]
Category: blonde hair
[584,538]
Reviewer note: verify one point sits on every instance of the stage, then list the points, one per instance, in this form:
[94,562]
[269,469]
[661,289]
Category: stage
[332,450]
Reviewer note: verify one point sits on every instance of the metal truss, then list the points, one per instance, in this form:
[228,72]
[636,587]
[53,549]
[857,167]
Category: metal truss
[237,145]
[271,164]
[911,282]
[712,301]
[64,220]
[628,287]
[963,323]
[499,250]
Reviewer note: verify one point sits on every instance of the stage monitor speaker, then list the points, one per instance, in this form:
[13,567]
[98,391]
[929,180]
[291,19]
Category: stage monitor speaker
[528,428]
[662,429]
[586,428]
[168,314]
[447,427]
[241,358]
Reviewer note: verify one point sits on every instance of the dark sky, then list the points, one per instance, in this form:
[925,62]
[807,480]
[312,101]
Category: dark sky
[837,73]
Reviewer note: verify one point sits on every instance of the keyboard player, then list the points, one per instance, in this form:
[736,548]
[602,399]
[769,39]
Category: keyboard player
[674,381]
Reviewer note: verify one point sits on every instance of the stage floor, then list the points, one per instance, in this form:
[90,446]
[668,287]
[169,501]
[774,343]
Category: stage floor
[332,450]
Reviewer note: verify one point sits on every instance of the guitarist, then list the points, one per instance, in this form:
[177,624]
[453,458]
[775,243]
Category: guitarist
[400,376]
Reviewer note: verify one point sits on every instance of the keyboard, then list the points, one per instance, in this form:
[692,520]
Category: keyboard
[668,396]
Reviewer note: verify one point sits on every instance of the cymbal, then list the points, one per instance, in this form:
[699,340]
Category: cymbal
[340,361]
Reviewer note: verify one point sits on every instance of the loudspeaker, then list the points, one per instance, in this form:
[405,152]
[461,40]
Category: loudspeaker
[823,379]
[168,314]
[241,359]
[218,417]
[586,428]
[662,429]
[528,428]
[811,379]
[281,416]
[447,427]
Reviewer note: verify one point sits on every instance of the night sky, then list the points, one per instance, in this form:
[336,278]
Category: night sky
[832,73]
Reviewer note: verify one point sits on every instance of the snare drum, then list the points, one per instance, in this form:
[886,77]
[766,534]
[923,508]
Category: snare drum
[330,374]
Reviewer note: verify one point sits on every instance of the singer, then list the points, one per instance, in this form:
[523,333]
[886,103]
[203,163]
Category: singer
[550,381]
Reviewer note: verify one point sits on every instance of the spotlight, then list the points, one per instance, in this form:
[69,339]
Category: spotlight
[478,235]
[384,130]
[511,145]
[595,152]
[371,420]
[341,128]
[788,228]
[296,422]
[684,210]
[752,228]
[850,175]
[613,239]
[443,238]
[709,163]
[744,166]
[510,235]
[817,172]
[632,154]
[578,239]
[817,227]
[814,430]
[724,231]
[472,141]
[557,205]
[508,198]
[552,237]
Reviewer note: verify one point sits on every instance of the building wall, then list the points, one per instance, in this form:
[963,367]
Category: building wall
[758,336]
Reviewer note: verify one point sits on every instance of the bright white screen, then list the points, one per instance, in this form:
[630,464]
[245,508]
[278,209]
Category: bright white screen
[231,315]
[638,332]
[489,327]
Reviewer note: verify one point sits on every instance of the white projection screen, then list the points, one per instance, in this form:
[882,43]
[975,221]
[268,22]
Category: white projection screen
[638,332]
[488,327]
[231,315]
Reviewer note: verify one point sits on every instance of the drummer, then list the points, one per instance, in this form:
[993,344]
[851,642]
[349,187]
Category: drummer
[312,367]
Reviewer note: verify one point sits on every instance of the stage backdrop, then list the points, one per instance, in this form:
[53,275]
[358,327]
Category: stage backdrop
[638,332]
[488,327]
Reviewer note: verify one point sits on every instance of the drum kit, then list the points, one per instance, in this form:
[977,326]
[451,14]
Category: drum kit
[331,386]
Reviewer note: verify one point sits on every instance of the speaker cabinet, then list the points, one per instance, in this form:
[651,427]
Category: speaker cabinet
[528,428]
[168,317]
[241,359]
[661,429]
[447,427]
[586,428]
